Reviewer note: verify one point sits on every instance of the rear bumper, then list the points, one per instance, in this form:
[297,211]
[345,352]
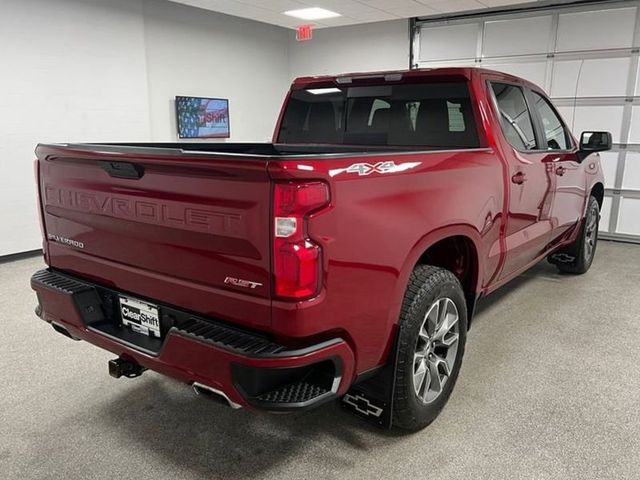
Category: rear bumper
[249,369]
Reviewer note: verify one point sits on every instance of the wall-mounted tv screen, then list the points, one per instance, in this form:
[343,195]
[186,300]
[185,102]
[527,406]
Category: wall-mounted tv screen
[200,117]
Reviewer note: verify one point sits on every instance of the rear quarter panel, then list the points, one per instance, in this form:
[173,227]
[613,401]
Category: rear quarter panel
[376,228]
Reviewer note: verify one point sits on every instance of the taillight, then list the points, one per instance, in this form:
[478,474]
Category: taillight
[296,258]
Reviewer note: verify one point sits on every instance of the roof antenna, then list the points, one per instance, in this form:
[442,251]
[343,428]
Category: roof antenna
[575,95]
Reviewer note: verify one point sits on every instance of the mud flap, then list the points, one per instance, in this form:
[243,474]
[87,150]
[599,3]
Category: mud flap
[372,399]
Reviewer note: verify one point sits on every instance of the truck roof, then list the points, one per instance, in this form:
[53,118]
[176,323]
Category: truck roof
[466,72]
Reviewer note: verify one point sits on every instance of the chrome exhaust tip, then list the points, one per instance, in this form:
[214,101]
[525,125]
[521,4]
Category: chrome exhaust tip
[214,394]
[63,331]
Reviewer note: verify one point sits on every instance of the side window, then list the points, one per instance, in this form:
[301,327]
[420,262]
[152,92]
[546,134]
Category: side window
[456,118]
[515,118]
[377,105]
[556,137]
[412,113]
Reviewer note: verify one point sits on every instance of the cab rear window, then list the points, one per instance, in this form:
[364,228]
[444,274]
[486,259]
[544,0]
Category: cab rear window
[434,115]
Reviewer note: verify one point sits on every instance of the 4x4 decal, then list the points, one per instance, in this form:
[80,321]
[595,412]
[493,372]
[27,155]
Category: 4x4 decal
[363,169]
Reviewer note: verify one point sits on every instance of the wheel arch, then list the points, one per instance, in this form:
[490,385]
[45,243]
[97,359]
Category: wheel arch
[454,248]
[598,191]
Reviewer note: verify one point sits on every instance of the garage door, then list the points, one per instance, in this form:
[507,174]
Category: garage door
[585,57]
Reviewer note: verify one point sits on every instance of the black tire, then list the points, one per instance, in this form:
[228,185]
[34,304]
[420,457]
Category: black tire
[583,249]
[427,287]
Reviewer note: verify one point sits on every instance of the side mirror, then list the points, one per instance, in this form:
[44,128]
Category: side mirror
[591,142]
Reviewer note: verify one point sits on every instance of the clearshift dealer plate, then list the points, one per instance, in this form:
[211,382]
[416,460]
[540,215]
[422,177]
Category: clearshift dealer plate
[141,316]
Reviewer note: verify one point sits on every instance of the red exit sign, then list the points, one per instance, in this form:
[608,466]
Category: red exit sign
[304,33]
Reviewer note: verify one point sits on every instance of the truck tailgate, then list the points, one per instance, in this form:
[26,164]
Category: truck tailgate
[192,230]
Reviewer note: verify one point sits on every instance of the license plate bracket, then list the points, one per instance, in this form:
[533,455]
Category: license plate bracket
[142,317]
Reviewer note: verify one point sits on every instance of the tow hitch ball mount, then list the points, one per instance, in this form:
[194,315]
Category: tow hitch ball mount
[122,367]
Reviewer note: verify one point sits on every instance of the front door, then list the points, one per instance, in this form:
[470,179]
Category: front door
[562,163]
[530,182]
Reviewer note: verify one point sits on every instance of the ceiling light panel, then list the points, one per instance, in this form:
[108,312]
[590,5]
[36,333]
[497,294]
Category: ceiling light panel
[313,13]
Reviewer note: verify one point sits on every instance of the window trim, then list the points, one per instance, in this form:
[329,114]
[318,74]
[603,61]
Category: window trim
[496,106]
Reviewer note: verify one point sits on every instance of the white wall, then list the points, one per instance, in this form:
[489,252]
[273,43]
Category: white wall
[199,53]
[108,70]
[358,48]
[72,70]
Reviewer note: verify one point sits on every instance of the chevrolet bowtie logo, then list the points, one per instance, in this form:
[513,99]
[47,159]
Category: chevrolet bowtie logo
[362,405]
[563,258]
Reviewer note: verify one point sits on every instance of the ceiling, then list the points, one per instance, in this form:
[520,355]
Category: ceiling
[352,11]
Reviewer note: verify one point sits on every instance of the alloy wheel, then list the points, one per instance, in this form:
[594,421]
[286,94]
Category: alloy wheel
[591,232]
[436,349]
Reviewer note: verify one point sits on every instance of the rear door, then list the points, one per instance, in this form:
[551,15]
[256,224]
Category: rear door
[187,229]
[530,181]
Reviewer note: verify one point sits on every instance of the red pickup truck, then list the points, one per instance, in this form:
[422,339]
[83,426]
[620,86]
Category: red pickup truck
[342,261]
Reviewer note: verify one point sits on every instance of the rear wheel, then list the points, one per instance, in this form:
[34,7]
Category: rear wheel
[433,328]
[577,257]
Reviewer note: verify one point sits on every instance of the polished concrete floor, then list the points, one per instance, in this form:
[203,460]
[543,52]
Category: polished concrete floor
[549,389]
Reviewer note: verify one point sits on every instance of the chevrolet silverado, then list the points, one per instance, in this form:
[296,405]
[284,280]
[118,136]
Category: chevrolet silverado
[343,260]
